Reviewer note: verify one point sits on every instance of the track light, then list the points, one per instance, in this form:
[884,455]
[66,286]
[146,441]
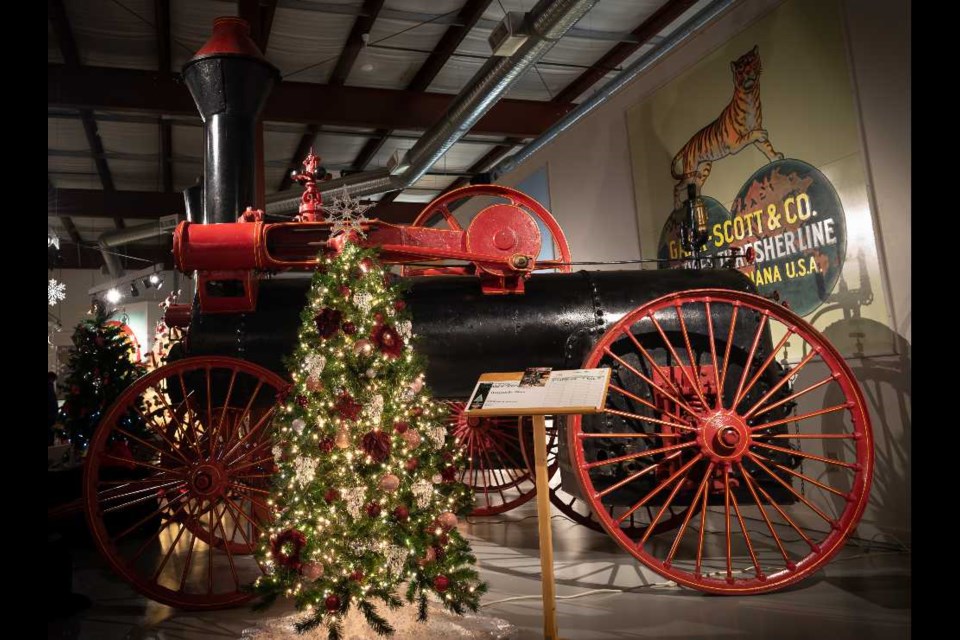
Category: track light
[134,292]
[114,296]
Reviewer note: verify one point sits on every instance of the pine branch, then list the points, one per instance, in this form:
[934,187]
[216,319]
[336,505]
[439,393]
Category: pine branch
[266,601]
[422,607]
[377,622]
[335,631]
[307,624]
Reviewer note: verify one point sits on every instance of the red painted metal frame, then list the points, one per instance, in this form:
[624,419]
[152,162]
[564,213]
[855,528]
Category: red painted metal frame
[211,462]
[501,243]
[721,437]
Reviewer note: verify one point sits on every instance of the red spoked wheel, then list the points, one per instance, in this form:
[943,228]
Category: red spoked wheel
[495,467]
[506,225]
[177,479]
[705,412]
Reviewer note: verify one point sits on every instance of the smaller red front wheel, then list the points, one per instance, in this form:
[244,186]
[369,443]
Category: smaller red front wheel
[177,480]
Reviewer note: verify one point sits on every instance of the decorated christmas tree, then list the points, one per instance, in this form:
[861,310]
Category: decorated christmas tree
[100,367]
[366,497]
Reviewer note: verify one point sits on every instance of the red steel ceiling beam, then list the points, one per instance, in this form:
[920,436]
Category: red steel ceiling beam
[113,89]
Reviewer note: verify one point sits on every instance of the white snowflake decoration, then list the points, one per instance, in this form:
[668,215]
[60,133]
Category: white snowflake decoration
[437,436]
[423,493]
[277,451]
[314,364]
[363,300]
[405,329]
[375,409]
[346,213]
[304,470]
[56,291]
[395,558]
[354,497]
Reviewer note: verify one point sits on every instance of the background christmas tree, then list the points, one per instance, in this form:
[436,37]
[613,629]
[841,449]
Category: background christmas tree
[100,368]
[366,493]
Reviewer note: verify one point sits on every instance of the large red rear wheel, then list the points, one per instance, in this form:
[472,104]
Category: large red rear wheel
[705,412]
[177,479]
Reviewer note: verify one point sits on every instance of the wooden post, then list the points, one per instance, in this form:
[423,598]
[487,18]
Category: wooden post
[546,536]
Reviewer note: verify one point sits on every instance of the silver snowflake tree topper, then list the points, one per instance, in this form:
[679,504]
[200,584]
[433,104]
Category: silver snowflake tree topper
[346,213]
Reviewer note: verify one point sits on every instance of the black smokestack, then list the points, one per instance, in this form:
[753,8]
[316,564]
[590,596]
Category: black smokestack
[229,80]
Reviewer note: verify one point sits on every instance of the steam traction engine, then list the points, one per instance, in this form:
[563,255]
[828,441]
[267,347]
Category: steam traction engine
[719,462]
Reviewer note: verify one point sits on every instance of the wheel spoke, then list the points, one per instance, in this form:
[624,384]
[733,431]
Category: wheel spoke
[626,435]
[190,411]
[150,446]
[148,517]
[806,416]
[218,427]
[749,361]
[449,217]
[161,431]
[650,382]
[749,482]
[763,367]
[226,545]
[663,509]
[746,536]
[635,475]
[150,491]
[697,387]
[263,420]
[660,487]
[637,416]
[702,532]
[665,376]
[794,396]
[783,380]
[713,355]
[786,485]
[173,545]
[189,560]
[726,354]
[645,403]
[808,456]
[805,478]
[690,510]
[639,454]
[786,517]
[726,520]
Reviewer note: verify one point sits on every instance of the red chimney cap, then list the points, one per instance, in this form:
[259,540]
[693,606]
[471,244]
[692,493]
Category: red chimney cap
[230,37]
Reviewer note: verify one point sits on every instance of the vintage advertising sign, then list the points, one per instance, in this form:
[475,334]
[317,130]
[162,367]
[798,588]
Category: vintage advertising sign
[765,126]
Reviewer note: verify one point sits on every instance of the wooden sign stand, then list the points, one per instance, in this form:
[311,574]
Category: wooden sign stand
[570,392]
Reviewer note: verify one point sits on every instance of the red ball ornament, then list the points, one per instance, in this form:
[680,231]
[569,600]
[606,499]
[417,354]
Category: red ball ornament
[401,513]
[349,328]
[378,317]
[331,495]
[332,603]
[400,427]
[441,583]
[326,445]
[366,265]
[373,509]
[399,305]
[357,576]
[411,465]
[345,291]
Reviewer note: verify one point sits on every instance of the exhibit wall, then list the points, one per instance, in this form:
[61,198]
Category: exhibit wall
[596,199]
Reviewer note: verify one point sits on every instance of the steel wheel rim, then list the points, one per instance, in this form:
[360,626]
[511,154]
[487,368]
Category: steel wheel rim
[728,461]
[497,488]
[199,486]
[440,207]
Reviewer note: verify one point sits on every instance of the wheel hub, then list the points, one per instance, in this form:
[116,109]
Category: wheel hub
[208,479]
[724,436]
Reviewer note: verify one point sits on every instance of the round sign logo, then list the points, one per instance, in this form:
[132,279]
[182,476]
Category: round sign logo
[792,218]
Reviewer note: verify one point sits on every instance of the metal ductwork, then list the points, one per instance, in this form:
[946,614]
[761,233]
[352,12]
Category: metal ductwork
[129,234]
[548,21]
[229,80]
[618,82]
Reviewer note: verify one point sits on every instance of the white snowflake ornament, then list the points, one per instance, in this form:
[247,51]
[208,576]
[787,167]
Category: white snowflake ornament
[346,213]
[56,291]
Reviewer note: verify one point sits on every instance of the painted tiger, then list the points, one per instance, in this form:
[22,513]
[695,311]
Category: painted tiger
[740,124]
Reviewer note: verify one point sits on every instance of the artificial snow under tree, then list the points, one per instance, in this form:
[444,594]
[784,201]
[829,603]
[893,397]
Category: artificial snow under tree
[100,367]
[366,496]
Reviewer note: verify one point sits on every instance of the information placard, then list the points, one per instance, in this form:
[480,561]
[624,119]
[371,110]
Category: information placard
[539,391]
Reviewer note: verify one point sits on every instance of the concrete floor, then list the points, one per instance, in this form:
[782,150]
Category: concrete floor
[861,594]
